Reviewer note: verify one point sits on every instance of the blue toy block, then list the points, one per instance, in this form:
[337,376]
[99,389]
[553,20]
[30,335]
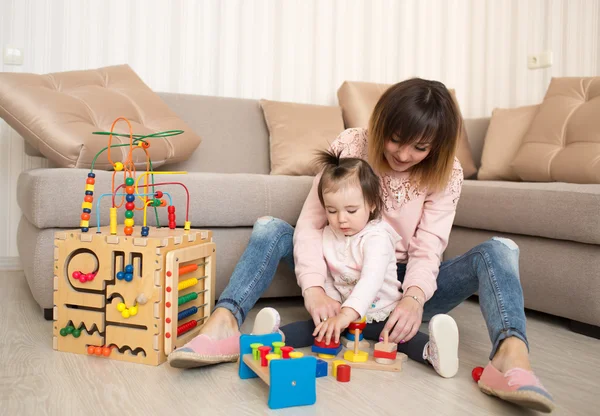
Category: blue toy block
[350,336]
[245,341]
[321,368]
[293,382]
[330,351]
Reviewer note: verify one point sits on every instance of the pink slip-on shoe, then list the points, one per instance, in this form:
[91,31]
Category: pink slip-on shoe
[203,350]
[518,386]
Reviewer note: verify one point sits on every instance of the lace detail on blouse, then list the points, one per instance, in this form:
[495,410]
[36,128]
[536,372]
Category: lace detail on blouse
[396,191]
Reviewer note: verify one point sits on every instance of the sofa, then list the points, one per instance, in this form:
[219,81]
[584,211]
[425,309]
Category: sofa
[228,175]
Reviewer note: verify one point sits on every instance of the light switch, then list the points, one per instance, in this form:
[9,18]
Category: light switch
[540,60]
[13,55]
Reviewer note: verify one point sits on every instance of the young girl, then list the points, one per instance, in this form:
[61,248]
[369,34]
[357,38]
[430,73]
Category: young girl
[359,249]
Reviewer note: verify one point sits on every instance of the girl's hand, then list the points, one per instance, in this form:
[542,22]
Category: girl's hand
[333,327]
[405,320]
[319,305]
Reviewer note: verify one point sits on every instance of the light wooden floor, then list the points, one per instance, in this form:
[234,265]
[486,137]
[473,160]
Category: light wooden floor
[36,380]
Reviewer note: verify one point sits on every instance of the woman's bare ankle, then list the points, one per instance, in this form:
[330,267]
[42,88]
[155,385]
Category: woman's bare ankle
[221,324]
[511,353]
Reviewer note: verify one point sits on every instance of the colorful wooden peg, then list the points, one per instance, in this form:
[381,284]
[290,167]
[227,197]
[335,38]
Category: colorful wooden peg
[255,352]
[264,350]
[277,347]
[285,351]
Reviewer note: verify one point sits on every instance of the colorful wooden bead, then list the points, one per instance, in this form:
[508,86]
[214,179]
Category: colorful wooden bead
[158,194]
[129,268]
[98,350]
[130,206]
[163,203]
[106,351]
[91,175]
[125,313]
[130,198]
[128,277]
[118,166]
[90,349]
[120,275]
[121,307]
[129,222]
[76,275]
[128,230]
[88,198]
[85,216]
[76,333]
[129,181]
[129,189]
[89,188]
[145,231]
[145,144]
[89,192]
[171,209]
[133,310]
[85,229]
[343,373]
[90,181]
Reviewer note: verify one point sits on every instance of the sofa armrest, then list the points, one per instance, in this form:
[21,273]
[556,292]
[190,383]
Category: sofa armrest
[476,131]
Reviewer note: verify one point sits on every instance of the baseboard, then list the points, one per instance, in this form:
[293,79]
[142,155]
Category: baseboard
[10,264]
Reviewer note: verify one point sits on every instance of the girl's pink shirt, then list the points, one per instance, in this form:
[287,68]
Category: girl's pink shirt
[423,220]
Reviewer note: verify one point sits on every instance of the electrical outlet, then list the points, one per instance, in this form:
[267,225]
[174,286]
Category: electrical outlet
[13,55]
[540,60]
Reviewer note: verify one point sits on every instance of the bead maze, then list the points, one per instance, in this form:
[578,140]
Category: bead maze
[131,297]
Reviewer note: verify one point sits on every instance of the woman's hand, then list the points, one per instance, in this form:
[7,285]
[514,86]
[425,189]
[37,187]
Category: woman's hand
[319,305]
[333,327]
[405,320]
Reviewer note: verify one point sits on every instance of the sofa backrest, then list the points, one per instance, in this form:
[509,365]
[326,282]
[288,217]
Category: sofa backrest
[234,135]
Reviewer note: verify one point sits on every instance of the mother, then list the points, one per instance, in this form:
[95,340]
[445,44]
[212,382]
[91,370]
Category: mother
[411,144]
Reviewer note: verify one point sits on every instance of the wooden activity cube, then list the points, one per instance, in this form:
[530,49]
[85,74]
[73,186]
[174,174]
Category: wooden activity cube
[156,300]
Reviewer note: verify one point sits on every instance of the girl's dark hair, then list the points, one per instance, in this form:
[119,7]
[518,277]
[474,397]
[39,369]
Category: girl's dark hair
[339,171]
[417,111]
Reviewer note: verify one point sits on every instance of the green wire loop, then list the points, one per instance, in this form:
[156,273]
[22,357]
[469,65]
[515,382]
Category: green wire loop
[136,139]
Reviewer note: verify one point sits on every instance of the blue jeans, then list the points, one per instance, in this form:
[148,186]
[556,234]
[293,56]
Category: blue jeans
[491,268]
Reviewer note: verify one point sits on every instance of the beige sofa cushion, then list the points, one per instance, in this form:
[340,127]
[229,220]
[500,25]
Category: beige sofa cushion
[218,199]
[57,113]
[296,132]
[502,141]
[563,141]
[358,99]
[562,211]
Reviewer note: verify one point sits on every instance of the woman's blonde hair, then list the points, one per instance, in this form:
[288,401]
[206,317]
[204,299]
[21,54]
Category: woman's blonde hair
[417,111]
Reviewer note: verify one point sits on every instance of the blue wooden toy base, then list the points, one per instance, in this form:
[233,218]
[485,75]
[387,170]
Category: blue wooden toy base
[292,382]
[330,351]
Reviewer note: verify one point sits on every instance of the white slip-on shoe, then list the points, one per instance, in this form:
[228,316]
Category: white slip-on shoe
[442,349]
[267,321]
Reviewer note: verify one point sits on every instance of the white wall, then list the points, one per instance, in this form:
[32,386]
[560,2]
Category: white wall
[298,50]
